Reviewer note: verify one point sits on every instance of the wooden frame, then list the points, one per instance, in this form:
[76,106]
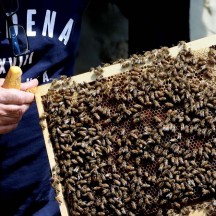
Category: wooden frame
[201,44]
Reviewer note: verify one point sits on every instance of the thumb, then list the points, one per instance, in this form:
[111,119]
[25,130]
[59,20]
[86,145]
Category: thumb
[30,84]
[1,81]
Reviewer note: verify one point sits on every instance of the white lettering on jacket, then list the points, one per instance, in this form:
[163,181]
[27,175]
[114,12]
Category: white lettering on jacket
[66,32]
[48,26]
[47,30]
[45,77]
[2,68]
[49,23]
[30,23]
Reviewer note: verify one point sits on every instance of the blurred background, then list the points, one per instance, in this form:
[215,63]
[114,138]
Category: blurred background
[115,29]
[104,35]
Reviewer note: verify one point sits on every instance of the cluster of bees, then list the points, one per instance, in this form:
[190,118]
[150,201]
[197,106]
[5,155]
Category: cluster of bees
[138,143]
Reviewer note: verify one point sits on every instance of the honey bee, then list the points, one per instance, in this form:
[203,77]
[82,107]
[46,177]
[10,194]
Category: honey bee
[123,211]
[140,98]
[148,199]
[131,213]
[157,119]
[145,185]
[138,161]
[79,159]
[169,105]
[114,169]
[101,213]
[123,181]
[205,191]
[131,173]
[206,155]
[96,115]
[139,171]
[127,156]
[138,106]
[125,64]
[117,211]
[117,182]
[150,141]
[58,199]
[213,154]
[146,155]
[163,202]
[161,167]
[119,118]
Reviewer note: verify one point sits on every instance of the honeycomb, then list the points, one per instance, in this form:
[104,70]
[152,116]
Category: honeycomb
[141,142]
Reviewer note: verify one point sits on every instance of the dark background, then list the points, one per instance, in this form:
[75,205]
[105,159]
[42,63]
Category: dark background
[116,29]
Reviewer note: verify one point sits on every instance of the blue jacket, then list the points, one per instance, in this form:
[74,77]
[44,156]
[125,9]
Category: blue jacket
[53,29]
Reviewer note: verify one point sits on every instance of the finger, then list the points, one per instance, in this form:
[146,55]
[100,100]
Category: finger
[1,81]
[24,108]
[7,120]
[27,85]
[7,128]
[16,97]
[10,110]
[13,110]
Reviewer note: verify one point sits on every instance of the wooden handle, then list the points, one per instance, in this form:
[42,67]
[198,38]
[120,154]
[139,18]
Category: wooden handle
[13,78]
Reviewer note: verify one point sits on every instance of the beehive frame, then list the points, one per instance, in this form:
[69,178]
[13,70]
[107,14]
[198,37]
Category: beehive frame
[88,77]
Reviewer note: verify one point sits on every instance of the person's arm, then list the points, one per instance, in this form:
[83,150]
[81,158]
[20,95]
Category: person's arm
[13,104]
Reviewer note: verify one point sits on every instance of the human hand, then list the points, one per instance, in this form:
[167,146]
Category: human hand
[13,104]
